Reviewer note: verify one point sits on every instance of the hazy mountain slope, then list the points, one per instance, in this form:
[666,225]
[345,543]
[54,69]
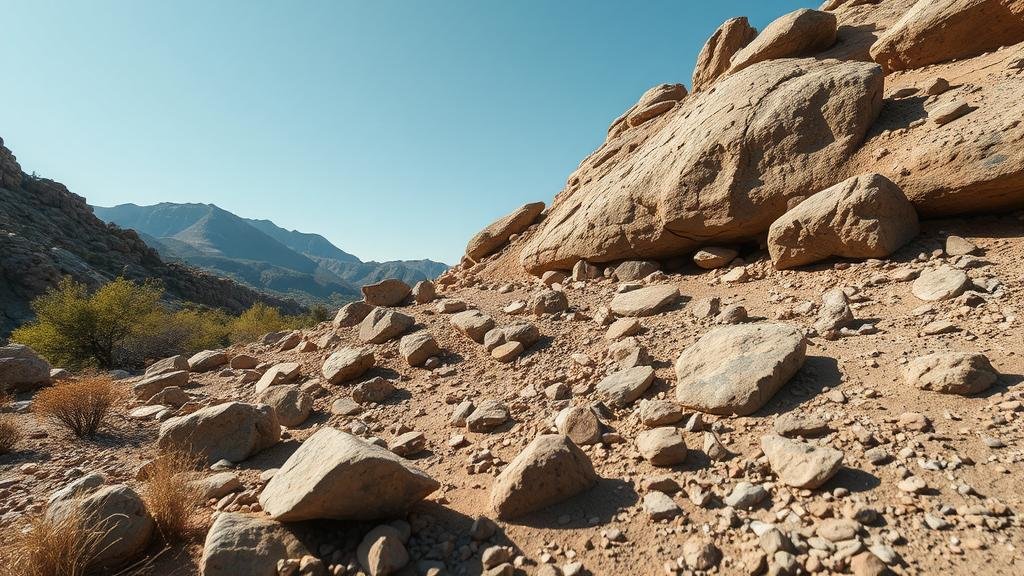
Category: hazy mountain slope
[259,252]
[313,245]
[46,233]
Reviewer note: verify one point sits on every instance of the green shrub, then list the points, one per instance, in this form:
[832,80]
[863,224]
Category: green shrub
[259,320]
[76,329]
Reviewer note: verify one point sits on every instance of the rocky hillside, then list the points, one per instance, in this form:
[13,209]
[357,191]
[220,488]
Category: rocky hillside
[772,326]
[46,232]
[259,253]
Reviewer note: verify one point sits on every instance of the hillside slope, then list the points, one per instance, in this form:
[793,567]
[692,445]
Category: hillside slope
[47,232]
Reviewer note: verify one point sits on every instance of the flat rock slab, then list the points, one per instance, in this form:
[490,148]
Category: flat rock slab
[952,373]
[799,464]
[346,364]
[737,369]
[644,301]
[940,284]
[624,387]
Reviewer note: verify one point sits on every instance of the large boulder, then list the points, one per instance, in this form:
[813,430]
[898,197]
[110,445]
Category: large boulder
[383,324]
[800,33]
[737,369]
[231,431]
[473,323]
[934,31]
[714,58]
[242,544]
[718,168]
[493,237]
[549,470]
[961,373]
[389,292]
[22,368]
[334,474]
[865,216]
[117,513]
[347,364]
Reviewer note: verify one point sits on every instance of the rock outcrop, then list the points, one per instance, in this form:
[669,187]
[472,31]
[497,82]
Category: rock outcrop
[934,31]
[800,33]
[716,55]
[493,237]
[719,167]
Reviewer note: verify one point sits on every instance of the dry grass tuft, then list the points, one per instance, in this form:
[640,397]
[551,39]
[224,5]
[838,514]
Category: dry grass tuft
[169,497]
[10,434]
[62,546]
[79,405]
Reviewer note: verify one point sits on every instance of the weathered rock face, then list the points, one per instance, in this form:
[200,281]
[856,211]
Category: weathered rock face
[799,33]
[934,31]
[243,544]
[232,431]
[966,166]
[718,167]
[22,368]
[737,369]
[952,373]
[549,470]
[714,58]
[491,239]
[117,512]
[337,475]
[863,217]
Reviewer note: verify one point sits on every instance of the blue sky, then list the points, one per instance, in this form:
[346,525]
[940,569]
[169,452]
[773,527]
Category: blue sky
[395,129]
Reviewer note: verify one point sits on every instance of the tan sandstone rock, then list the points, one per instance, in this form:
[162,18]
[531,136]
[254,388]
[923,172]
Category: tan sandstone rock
[491,239]
[549,470]
[714,58]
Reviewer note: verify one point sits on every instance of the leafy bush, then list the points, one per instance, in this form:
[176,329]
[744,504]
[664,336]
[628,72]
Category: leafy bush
[169,497]
[81,406]
[259,320]
[75,329]
[123,324]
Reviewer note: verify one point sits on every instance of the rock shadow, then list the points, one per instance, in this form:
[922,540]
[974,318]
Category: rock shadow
[602,502]
[853,479]
[817,373]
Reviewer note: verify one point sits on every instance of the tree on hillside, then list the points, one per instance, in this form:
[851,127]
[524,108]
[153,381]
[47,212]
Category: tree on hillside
[75,329]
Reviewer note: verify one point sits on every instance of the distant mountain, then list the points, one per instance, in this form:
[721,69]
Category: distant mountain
[304,266]
[47,232]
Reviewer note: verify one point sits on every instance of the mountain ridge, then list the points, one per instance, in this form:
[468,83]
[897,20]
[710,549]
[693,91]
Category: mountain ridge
[258,252]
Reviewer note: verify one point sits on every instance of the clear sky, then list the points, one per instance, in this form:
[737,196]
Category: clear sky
[395,129]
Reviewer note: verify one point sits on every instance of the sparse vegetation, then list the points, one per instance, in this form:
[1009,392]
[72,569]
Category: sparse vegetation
[123,324]
[10,434]
[51,546]
[81,406]
[172,502]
